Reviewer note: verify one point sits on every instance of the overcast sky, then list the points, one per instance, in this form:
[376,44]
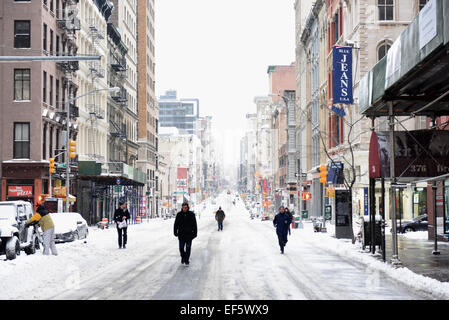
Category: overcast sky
[219,52]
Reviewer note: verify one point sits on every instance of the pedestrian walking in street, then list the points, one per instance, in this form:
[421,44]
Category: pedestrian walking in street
[121,218]
[43,217]
[185,229]
[287,210]
[220,216]
[281,222]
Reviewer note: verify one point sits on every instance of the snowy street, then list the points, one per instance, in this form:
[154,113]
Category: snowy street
[242,262]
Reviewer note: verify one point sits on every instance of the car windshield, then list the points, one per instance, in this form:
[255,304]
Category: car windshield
[7,212]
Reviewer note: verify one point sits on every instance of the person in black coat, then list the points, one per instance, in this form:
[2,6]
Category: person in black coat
[185,229]
[121,214]
[220,216]
[282,222]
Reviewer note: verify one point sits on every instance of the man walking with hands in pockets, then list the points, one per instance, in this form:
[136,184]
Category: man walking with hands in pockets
[185,229]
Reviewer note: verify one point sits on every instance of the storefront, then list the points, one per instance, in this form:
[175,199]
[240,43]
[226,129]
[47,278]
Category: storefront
[24,181]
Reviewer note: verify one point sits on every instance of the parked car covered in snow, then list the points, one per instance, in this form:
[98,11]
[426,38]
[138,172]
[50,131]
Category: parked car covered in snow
[69,226]
[14,235]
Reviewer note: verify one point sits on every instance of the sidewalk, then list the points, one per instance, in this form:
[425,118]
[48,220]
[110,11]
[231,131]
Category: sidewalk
[416,255]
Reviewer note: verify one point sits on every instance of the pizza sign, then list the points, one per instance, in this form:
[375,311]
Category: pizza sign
[20,191]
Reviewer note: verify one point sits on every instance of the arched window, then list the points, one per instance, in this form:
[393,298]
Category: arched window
[382,49]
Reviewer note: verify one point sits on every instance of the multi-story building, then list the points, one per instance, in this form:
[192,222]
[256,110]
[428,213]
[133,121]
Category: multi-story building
[369,27]
[147,107]
[32,108]
[264,159]
[204,133]
[183,158]
[116,101]
[281,79]
[179,113]
[93,75]
[247,169]
[124,17]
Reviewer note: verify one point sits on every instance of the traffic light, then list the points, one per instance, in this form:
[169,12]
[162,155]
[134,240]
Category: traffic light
[323,174]
[52,168]
[72,149]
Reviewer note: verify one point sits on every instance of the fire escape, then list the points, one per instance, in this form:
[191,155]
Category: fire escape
[96,72]
[69,24]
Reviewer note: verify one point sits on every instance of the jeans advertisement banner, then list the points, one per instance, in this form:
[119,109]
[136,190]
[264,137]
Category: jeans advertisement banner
[342,75]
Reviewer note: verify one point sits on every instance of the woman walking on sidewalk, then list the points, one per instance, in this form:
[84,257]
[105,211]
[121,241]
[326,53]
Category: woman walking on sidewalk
[121,218]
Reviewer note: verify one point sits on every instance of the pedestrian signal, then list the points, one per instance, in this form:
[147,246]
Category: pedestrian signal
[72,149]
[306,196]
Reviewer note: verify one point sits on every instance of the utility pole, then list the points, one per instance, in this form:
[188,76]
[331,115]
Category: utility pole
[394,260]
[67,146]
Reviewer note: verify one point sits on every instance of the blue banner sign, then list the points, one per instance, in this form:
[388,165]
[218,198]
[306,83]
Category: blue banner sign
[342,79]
[366,202]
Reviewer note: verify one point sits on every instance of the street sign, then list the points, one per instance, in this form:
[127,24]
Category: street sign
[303,175]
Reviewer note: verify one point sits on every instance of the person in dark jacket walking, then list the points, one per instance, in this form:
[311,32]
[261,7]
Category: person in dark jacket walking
[122,214]
[220,216]
[282,221]
[185,229]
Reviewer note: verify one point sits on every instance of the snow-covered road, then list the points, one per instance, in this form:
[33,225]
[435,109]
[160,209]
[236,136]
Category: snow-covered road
[241,262]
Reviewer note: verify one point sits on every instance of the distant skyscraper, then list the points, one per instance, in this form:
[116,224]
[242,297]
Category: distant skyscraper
[179,113]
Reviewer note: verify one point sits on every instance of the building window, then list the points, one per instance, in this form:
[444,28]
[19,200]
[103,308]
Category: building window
[383,50]
[51,91]
[57,45]
[22,84]
[44,142]
[44,38]
[22,34]
[57,94]
[44,87]
[386,10]
[50,149]
[51,42]
[57,9]
[21,140]
[422,4]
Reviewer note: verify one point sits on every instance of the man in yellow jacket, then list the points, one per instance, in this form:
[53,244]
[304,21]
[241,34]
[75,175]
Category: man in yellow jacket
[43,217]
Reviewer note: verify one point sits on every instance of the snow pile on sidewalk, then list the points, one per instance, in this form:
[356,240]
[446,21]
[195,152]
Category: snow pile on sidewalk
[349,251]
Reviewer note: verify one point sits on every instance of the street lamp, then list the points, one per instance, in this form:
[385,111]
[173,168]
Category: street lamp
[67,181]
